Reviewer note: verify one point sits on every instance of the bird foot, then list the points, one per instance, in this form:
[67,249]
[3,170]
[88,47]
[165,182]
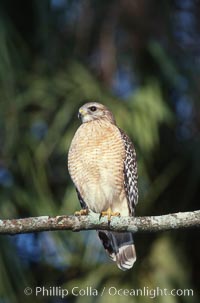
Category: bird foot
[109,213]
[82,212]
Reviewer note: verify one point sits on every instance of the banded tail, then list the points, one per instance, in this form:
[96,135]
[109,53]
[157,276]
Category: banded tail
[120,247]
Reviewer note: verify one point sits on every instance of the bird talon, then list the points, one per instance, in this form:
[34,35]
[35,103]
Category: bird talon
[109,213]
[82,212]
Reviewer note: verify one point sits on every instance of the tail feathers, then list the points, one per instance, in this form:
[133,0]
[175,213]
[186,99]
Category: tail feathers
[120,247]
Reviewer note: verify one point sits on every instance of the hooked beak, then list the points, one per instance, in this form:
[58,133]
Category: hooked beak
[81,113]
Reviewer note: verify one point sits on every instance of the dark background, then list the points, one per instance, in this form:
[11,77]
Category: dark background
[142,59]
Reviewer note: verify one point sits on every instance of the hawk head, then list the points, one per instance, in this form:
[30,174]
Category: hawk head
[95,111]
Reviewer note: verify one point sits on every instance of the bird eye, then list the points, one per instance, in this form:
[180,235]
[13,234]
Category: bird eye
[93,108]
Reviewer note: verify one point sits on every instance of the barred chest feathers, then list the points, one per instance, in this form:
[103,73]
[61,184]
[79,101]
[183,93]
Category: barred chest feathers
[96,164]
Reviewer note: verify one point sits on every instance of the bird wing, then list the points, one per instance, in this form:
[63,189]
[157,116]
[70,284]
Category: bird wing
[130,173]
[82,202]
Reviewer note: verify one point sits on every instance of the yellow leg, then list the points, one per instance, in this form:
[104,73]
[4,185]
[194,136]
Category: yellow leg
[82,212]
[109,213]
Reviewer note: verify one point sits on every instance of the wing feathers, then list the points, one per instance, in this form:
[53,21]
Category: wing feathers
[130,173]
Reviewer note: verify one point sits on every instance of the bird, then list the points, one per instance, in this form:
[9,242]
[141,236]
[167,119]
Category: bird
[103,167]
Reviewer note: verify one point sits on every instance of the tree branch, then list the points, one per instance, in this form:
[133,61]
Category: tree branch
[181,220]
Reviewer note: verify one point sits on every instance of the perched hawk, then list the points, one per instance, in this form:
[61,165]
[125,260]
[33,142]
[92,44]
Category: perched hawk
[102,165]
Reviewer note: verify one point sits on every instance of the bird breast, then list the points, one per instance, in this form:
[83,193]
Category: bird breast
[96,164]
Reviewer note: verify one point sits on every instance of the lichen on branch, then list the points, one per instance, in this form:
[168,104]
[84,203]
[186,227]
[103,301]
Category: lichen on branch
[181,220]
